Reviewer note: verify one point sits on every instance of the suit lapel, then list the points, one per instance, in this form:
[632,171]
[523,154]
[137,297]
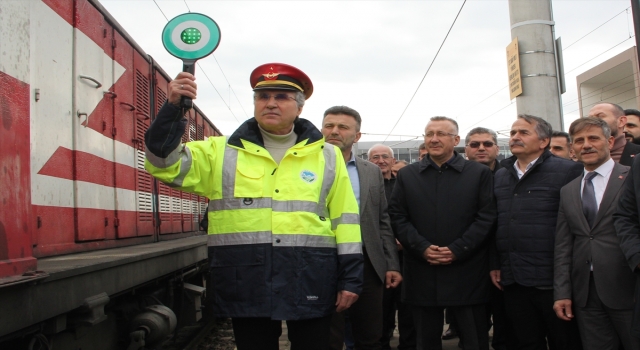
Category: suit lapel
[361,166]
[618,174]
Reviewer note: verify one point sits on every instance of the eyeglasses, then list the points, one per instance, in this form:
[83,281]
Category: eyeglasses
[440,134]
[280,97]
[377,156]
[476,144]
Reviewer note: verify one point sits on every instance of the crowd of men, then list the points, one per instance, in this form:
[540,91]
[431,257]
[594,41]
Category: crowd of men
[543,246]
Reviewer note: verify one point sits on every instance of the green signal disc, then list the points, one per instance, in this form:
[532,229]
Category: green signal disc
[191,36]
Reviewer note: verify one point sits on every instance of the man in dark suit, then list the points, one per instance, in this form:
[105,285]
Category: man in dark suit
[482,147]
[622,152]
[590,277]
[341,127]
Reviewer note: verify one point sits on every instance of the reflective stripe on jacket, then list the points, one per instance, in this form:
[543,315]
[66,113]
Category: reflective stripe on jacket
[283,238]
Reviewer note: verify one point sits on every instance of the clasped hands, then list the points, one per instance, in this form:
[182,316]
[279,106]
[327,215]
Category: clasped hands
[438,255]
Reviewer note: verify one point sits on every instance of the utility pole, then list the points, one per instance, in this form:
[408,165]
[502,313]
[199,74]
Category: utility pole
[532,23]
[635,9]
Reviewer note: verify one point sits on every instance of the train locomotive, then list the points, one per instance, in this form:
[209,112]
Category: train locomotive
[94,252]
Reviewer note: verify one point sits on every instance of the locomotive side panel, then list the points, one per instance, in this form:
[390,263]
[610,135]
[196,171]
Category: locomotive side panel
[15,223]
[76,97]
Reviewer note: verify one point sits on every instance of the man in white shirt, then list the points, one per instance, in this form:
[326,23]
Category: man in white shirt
[590,276]
[527,192]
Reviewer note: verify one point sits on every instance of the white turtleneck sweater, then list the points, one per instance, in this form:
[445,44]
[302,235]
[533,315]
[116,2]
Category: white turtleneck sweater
[277,145]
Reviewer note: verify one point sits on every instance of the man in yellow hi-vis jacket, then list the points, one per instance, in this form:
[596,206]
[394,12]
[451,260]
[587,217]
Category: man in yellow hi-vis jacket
[284,235]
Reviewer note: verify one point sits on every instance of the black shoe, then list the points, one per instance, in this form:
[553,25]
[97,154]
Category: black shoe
[450,333]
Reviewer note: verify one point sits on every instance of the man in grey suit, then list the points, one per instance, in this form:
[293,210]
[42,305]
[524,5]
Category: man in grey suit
[341,127]
[590,274]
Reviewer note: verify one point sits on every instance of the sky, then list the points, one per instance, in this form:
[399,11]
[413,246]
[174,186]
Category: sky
[372,55]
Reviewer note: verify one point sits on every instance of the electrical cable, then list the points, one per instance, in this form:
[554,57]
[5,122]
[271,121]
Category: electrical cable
[225,78]
[165,16]
[428,69]
[564,49]
[205,73]
[490,115]
[596,28]
[611,48]
[595,103]
[601,90]
[602,53]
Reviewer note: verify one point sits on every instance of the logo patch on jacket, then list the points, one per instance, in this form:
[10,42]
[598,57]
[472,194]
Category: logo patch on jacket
[312,297]
[308,176]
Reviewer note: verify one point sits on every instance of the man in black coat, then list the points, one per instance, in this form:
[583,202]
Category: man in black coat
[482,147]
[627,223]
[527,192]
[442,210]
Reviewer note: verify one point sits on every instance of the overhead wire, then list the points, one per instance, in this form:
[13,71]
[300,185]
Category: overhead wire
[595,103]
[204,72]
[564,49]
[225,78]
[428,69]
[600,54]
[601,90]
[490,115]
[165,16]
[596,28]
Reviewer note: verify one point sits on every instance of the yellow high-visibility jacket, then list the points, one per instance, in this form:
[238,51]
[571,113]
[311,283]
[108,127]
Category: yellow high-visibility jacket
[283,238]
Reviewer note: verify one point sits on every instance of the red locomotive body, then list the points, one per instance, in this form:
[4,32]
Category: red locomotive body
[83,227]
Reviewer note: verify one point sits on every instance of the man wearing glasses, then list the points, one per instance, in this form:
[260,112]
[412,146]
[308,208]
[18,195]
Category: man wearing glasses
[284,235]
[442,210]
[382,156]
[482,147]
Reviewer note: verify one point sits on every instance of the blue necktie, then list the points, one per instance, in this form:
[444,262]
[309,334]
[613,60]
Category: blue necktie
[589,204]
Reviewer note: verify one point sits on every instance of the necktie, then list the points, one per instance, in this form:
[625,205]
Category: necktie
[589,204]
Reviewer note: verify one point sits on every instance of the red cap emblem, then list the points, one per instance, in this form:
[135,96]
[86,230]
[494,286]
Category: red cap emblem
[271,75]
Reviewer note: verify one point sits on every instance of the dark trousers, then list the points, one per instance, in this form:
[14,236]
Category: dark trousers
[471,319]
[503,335]
[261,333]
[603,328]
[365,314]
[392,301]
[534,322]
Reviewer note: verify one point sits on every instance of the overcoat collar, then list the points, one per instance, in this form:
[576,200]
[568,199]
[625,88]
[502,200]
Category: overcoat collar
[456,162]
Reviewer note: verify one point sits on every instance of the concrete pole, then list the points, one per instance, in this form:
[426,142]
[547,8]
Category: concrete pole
[532,23]
[635,9]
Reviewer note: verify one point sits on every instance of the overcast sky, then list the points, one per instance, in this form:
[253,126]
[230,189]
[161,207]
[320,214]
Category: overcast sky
[371,55]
